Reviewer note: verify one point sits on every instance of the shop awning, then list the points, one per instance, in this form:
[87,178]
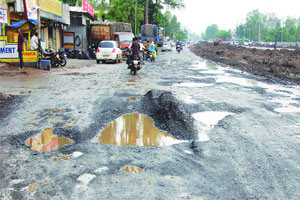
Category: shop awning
[20,23]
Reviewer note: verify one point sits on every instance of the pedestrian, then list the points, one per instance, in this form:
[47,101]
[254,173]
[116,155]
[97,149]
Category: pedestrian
[34,43]
[20,48]
[275,45]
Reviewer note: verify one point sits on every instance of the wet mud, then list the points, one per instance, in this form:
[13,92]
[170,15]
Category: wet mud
[7,103]
[281,65]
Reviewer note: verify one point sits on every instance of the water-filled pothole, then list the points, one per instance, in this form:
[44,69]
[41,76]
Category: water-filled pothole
[135,130]
[132,169]
[47,141]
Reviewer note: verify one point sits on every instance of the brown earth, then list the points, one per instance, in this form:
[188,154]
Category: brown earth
[281,65]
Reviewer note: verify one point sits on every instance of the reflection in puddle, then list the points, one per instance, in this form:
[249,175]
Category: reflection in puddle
[58,111]
[239,81]
[131,80]
[132,169]
[71,120]
[68,126]
[209,119]
[31,124]
[46,141]
[135,130]
[288,109]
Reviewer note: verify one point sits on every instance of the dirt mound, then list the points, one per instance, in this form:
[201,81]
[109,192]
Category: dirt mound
[280,64]
[170,114]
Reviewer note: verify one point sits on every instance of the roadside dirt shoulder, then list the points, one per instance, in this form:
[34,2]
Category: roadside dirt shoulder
[282,65]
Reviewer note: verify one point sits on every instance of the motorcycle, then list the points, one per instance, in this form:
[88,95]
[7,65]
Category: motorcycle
[151,56]
[92,51]
[52,56]
[178,48]
[135,65]
[62,57]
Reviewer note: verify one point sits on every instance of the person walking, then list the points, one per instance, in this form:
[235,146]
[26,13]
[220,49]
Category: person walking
[20,48]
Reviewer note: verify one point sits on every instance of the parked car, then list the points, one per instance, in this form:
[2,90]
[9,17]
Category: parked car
[246,43]
[166,46]
[108,50]
[236,43]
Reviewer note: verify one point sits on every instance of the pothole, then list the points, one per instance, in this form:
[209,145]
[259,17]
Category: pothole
[132,169]
[47,141]
[135,130]
[133,98]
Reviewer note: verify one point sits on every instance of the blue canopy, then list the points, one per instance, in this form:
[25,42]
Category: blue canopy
[20,23]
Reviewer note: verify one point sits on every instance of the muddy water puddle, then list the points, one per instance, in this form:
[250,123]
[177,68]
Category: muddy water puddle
[132,169]
[47,141]
[135,130]
[133,98]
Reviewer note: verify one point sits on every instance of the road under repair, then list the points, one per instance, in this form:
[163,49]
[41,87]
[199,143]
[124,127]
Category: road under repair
[198,130]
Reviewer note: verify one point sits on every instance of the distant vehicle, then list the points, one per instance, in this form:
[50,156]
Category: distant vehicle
[124,40]
[149,32]
[108,50]
[236,43]
[210,41]
[172,44]
[166,46]
[246,44]
[121,32]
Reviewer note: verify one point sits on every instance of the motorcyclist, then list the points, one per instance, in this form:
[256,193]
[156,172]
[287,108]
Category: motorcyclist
[153,49]
[178,43]
[135,49]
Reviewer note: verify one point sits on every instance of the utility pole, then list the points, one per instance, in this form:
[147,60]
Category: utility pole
[147,12]
[249,34]
[135,18]
[39,33]
[259,36]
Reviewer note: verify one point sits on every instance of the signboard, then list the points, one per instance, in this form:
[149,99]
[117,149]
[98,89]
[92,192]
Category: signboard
[86,6]
[9,53]
[3,16]
[69,40]
[50,9]
[51,6]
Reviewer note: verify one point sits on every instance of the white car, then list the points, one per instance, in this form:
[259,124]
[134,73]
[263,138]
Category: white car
[166,46]
[108,50]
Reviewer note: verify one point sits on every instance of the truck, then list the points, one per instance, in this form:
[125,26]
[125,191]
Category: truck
[119,31]
[149,32]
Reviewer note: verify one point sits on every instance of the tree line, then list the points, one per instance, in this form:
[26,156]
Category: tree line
[139,12]
[259,27]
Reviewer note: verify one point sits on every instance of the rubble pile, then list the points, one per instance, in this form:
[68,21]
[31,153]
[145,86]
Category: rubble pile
[280,64]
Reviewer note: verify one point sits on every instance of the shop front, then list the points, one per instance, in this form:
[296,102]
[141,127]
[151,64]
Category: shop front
[54,17]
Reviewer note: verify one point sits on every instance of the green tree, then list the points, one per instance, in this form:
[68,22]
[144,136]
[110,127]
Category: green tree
[211,32]
[124,11]
[223,34]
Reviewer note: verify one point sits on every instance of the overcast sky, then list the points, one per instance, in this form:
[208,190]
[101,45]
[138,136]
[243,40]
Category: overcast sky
[198,14]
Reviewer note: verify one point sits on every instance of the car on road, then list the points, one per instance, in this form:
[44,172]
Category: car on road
[108,50]
[166,46]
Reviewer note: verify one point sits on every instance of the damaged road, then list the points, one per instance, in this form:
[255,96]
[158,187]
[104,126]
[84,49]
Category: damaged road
[219,133]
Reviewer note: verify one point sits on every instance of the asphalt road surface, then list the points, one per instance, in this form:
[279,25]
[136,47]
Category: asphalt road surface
[248,143]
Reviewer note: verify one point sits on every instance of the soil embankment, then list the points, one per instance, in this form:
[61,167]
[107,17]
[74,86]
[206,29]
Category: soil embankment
[280,64]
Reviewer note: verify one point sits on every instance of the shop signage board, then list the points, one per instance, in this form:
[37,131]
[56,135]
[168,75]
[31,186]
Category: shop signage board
[86,6]
[3,16]
[9,53]
[50,9]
